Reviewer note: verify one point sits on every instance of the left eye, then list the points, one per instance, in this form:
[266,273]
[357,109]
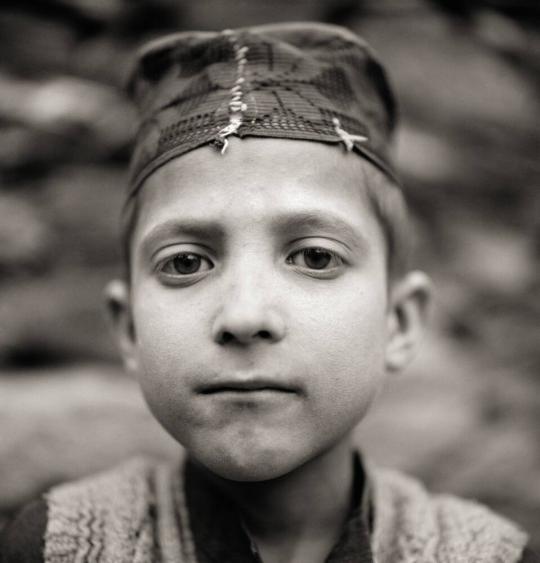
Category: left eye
[314,258]
[186,263]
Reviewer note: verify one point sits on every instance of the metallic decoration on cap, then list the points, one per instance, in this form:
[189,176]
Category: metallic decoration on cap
[347,138]
[237,106]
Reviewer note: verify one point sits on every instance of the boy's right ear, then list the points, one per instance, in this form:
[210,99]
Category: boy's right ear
[117,299]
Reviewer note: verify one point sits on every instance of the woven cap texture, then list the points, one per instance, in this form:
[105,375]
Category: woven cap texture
[306,81]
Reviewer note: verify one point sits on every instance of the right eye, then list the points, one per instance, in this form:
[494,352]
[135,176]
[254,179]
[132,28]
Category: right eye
[186,264]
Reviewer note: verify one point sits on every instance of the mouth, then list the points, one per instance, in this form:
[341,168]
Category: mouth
[246,386]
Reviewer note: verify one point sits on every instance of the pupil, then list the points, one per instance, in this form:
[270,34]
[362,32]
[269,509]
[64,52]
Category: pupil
[187,263]
[316,258]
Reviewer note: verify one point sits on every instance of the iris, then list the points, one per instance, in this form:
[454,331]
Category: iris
[316,258]
[186,263]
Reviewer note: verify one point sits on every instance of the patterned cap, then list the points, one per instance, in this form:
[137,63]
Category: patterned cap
[309,81]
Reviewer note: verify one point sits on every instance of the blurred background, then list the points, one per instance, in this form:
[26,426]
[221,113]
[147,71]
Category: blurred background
[466,416]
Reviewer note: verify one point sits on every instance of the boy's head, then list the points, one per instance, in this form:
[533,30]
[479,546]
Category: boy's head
[267,296]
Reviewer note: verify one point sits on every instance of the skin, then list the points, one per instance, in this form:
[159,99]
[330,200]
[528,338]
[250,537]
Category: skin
[262,362]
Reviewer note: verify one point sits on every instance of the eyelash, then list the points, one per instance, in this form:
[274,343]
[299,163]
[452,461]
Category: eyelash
[333,256]
[170,262]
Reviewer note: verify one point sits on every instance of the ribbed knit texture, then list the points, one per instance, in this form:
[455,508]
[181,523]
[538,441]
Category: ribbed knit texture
[126,515]
[412,526]
[137,513]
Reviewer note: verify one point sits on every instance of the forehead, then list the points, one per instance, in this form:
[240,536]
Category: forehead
[258,181]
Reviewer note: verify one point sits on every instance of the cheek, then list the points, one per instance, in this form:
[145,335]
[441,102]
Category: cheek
[349,321]
[172,347]
[347,350]
[170,328]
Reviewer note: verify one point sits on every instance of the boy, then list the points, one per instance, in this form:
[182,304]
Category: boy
[266,299]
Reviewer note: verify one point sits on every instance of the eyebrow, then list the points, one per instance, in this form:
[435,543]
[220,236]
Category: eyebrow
[195,228]
[292,223]
[320,221]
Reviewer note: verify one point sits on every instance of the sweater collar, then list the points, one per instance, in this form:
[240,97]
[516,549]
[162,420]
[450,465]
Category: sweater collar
[219,535]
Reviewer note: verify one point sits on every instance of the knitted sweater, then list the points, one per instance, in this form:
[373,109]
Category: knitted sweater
[137,513]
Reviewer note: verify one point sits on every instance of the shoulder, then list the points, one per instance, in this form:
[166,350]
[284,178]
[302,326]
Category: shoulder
[116,485]
[437,527]
[529,556]
[102,512]
[109,513]
[22,540]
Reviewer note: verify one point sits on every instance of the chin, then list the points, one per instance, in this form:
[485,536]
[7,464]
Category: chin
[247,465]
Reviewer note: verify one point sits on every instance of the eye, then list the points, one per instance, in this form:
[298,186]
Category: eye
[315,258]
[185,264]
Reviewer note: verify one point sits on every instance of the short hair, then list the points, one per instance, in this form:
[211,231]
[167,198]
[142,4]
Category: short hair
[385,197]
[389,205]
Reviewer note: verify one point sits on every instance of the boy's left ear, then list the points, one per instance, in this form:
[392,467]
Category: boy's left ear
[408,306]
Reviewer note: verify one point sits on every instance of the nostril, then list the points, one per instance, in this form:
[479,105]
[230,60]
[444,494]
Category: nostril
[226,337]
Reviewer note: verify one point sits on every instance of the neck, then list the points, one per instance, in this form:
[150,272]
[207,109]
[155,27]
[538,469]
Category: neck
[307,505]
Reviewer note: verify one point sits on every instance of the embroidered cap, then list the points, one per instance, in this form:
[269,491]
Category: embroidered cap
[309,81]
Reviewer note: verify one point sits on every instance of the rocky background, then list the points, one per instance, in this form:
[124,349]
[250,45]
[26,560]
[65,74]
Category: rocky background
[466,416]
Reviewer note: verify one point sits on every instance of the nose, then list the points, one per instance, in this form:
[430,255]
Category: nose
[248,315]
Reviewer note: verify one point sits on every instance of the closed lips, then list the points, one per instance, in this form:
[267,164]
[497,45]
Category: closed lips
[245,386]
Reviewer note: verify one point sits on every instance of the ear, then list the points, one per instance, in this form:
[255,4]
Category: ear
[408,306]
[117,299]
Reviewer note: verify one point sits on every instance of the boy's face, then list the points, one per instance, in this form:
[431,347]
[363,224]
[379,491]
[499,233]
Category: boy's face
[259,303]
